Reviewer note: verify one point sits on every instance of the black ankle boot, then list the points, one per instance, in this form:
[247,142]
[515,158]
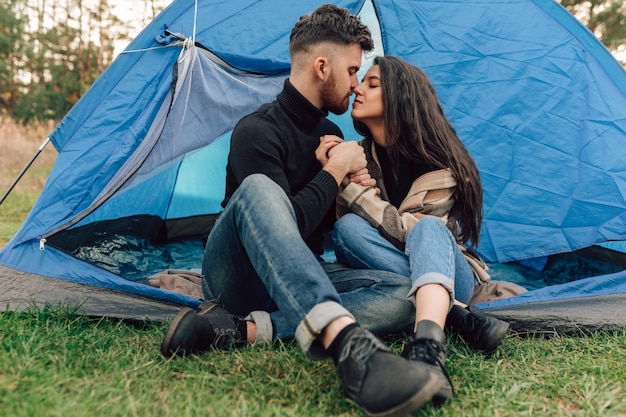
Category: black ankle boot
[382,383]
[427,345]
[478,329]
[208,327]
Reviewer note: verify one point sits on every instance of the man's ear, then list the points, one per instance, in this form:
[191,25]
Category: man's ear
[321,67]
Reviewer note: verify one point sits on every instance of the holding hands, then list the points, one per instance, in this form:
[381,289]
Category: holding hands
[344,160]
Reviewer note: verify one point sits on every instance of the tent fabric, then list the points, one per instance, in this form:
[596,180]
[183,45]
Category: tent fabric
[598,286]
[538,101]
[21,291]
[559,317]
[518,94]
[181,127]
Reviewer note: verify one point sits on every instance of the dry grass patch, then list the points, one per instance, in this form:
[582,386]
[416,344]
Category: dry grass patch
[19,143]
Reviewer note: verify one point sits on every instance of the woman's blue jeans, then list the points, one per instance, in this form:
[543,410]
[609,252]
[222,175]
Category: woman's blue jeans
[256,259]
[431,254]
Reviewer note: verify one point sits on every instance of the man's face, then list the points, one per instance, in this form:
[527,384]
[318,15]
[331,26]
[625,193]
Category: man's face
[337,87]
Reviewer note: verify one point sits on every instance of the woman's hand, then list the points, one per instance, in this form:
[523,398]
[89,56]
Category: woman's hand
[327,142]
[362,177]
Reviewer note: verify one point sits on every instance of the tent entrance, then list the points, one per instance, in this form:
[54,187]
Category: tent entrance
[135,247]
[560,268]
[153,214]
[139,246]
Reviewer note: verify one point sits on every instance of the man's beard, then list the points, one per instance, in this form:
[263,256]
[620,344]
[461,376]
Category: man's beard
[330,100]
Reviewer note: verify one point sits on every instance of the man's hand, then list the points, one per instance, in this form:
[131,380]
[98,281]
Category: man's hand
[326,143]
[345,158]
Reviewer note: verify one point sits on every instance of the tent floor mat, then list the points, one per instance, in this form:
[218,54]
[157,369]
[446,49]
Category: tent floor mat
[22,290]
[582,316]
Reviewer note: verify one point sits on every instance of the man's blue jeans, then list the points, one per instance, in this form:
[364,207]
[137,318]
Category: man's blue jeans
[431,254]
[256,259]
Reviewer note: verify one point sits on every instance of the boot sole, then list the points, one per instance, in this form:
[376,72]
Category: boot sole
[166,349]
[203,309]
[417,401]
[501,332]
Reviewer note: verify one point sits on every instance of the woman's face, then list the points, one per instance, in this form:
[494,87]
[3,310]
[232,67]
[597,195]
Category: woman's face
[368,100]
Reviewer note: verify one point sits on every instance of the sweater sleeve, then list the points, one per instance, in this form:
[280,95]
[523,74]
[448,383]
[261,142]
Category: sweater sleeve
[256,148]
[381,214]
[431,194]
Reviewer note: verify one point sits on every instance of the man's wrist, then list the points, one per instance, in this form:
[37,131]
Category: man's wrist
[338,173]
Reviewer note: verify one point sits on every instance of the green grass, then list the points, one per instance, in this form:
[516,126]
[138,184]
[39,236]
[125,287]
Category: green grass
[56,363]
[13,212]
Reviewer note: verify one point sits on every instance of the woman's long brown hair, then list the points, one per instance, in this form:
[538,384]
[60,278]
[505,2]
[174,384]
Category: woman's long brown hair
[417,128]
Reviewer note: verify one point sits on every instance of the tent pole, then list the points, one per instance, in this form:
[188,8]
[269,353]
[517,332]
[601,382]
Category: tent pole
[21,174]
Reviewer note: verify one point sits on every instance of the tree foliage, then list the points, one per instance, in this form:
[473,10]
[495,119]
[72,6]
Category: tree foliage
[606,19]
[12,26]
[69,44]
[51,51]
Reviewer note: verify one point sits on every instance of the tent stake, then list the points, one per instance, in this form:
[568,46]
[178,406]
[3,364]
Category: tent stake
[21,174]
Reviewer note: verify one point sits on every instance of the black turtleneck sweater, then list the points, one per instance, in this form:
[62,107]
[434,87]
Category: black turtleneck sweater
[279,140]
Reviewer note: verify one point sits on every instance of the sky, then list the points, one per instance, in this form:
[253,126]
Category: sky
[135,15]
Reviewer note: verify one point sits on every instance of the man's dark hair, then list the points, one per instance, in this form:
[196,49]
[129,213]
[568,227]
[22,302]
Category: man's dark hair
[329,23]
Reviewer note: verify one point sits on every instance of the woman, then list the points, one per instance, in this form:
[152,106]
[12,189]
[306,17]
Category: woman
[426,205]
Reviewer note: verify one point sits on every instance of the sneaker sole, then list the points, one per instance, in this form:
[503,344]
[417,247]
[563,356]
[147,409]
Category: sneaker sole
[417,401]
[444,394]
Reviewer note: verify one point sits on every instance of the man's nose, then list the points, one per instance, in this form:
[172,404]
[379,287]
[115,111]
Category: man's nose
[354,82]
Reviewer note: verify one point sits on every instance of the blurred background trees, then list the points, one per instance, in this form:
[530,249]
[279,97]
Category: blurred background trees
[605,19]
[51,51]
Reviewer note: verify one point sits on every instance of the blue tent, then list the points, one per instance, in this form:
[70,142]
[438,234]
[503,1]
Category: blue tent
[538,101]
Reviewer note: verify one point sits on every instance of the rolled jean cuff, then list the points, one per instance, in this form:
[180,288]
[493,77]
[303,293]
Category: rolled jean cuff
[309,329]
[432,278]
[264,328]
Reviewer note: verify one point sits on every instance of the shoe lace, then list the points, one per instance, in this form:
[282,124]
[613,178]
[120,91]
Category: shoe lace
[360,348]
[428,351]
[424,350]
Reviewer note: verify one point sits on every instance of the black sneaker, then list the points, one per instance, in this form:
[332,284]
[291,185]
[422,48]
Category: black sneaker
[478,329]
[382,383]
[427,346]
[209,326]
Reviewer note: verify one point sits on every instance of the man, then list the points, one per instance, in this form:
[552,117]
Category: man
[263,254]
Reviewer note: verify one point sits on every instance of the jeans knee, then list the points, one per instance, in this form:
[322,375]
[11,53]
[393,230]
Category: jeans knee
[346,228]
[431,222]
[259,191]
[429,226]
[344,224]
[256,183]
